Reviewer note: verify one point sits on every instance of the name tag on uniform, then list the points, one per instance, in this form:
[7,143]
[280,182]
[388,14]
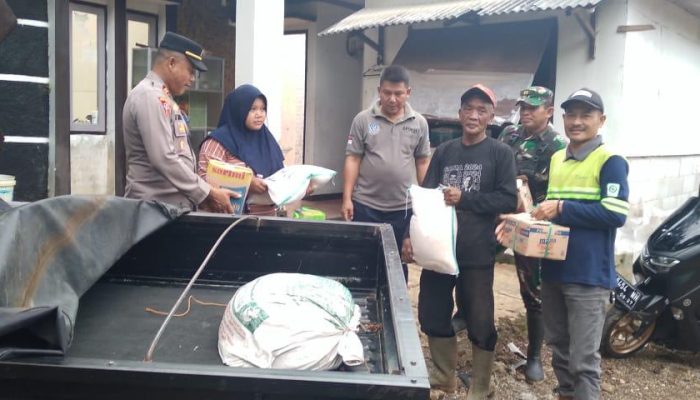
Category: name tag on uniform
[180,126]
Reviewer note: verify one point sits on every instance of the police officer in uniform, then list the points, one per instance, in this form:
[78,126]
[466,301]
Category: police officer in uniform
[160,161]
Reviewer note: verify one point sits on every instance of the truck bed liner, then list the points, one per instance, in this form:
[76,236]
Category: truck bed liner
[113,324]
[113,331]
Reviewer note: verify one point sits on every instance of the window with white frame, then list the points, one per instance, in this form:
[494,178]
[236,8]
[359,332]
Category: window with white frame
[142,31]
[87,68]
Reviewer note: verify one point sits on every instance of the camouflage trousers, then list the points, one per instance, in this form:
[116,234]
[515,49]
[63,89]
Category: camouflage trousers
[528,270]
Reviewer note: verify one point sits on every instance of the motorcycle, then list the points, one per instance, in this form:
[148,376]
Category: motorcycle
[664,305]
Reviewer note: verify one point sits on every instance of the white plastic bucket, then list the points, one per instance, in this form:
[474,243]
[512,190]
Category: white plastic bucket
[7,187]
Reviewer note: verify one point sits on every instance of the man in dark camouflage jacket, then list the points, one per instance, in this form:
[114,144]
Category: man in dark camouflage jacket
[533,142]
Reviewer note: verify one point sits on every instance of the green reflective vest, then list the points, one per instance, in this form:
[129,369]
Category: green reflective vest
[580,180]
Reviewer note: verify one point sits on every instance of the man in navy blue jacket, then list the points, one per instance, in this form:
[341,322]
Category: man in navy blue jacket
[587,192]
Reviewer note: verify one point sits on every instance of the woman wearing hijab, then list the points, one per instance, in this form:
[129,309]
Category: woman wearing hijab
[243,138]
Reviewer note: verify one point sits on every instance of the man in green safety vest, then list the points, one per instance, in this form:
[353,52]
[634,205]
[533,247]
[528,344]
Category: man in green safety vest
[587,192]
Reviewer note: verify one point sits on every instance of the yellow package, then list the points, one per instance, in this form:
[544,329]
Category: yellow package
[235,178]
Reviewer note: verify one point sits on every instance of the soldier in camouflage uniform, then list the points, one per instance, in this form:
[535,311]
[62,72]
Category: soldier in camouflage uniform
[533,142]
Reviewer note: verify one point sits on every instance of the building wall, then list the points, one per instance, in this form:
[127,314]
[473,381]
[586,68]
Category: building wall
[649,82]
[659,185]
[92,156]
[603,74]
[394,38]
[260,33]
[661,78]
[659,100]
[24,100]
[333,95]
[206,22]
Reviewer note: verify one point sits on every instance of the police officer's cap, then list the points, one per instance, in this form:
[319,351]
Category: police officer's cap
[191,49]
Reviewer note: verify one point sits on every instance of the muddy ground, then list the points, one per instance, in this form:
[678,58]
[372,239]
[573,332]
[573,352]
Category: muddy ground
[654,373]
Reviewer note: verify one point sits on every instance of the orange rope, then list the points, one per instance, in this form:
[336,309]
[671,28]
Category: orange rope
[189,306]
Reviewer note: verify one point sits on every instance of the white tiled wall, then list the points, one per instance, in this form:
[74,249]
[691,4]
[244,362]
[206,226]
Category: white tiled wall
[662,182]
[658,186]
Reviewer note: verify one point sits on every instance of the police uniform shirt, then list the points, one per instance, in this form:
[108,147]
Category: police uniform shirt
[161,163]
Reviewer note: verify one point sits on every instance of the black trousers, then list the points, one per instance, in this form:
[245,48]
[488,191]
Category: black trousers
[399,221]
[528,269]
[436,303]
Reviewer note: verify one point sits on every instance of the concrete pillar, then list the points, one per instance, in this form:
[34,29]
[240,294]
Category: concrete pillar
[259,34]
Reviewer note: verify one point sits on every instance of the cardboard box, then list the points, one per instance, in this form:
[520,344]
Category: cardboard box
[235,178]
[532,238]
[524,196]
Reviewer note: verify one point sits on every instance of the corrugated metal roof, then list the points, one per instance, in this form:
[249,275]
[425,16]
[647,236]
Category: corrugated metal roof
[412,14]
[692,6]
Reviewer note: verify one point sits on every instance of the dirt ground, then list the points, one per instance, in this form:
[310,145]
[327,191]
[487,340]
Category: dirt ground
[654,373]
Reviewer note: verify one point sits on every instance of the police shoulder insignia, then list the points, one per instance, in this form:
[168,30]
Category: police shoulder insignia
[165,106]
[613,189]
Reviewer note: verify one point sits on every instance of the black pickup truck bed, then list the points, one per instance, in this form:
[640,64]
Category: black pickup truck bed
[113,330]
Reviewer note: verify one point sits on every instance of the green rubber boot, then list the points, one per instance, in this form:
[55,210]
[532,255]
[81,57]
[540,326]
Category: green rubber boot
[443,351]
[482,364]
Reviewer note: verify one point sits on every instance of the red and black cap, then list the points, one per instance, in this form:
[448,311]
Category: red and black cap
[479,90]
[191,49]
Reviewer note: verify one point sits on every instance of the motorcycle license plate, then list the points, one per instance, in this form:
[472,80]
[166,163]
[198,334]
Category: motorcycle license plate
[626,293]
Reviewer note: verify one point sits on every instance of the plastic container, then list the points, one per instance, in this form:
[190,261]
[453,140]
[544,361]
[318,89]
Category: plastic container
[309,213]
[7,187]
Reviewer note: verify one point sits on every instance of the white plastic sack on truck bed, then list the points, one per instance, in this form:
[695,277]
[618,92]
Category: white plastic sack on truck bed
[433,231]
[289,184]
[291,321]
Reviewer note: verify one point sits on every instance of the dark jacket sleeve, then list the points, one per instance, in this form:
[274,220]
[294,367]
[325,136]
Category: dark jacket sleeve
[611,211]
[504,198]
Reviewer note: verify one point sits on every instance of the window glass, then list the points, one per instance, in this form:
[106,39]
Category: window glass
[141,32]
[87,66]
